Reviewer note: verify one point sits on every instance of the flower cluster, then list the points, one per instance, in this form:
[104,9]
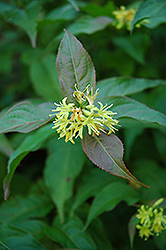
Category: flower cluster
[70,118]
[124,17]
[152,220]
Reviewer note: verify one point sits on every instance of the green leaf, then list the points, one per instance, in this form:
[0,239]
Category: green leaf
[135,46]
[31,143]
[20,208]
[150,171]
[106,151]
[125,86]
[89,25]
[74,4]
[160,142]
[90,184]
[132,228]
[13,238]
[130,136]
[98,233]
[62,167]
[153,10]
[65,12]
[71,234]
[109,197]
[24,117]
[96,10]
[5,146]
[44,78]
[24,18]
[137,112]
[74,66]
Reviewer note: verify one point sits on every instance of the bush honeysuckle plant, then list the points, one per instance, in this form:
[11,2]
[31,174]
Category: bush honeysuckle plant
[77,79]
[62,123]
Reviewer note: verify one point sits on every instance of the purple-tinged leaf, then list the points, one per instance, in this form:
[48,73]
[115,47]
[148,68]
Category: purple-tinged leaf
[106,151]
[74,66]
[25,117]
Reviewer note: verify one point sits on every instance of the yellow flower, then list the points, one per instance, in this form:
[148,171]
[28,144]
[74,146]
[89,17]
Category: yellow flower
[144,231]
[144,214]
[152,220]
[123,17]
[70,119]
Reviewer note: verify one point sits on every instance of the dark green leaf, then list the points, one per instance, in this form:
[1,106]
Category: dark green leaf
[153,10]
[130,136]
[151,172]
[31,143]
[125,86]
[132,228]
[135,46]
[45,78]
[71,234]
[106,151]
[62,167]
[65,12]
[13,238]
[24,18]
[109,197]
[74,66]
[86,25]
[98,233]
[25,117]
[90,184]
[21,208]
[160,141]
[96,10]
[89,25]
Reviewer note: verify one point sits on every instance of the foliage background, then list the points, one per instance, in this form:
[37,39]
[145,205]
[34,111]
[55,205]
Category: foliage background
[57,182]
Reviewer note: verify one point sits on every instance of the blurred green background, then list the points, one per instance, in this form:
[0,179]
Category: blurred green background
[30,34]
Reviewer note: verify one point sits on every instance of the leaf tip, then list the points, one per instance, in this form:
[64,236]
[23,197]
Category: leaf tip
[6,190]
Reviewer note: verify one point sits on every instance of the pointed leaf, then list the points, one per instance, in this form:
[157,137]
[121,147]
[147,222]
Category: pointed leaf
[89,25]
[13,237]
[74,4]
[74,66]
[25,117]
[31,143]
[153,10]
[125,86]
[24,18]
[22,208]
[106,151]
[71,234]
[109,197]
[128,108]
